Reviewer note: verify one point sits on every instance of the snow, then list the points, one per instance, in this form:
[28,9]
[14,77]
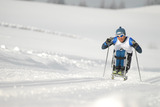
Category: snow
[52,57]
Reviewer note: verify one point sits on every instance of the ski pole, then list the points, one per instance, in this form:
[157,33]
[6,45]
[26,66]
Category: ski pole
[106,62]
[138,66]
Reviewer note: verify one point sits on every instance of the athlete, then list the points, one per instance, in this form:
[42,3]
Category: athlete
[123,46]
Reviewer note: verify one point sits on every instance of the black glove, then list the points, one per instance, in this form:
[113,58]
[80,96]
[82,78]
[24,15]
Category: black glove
[135,44]
[109,40]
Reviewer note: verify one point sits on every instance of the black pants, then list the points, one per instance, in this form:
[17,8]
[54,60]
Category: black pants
[129,59]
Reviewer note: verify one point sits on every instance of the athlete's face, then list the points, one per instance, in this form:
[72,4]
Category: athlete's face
[121,37]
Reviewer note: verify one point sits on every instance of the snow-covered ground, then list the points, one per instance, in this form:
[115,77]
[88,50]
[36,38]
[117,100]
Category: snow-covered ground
[50,56]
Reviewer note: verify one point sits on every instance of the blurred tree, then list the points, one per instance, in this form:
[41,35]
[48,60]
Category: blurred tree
[61,2]
[113,5]
[122,4]
[102,4]
[151,2]
[52,1]
[157,1]
[83,3]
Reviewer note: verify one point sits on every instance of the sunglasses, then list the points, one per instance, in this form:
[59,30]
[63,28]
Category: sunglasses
[120,35]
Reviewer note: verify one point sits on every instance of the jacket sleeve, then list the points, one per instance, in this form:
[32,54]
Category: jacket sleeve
[135,45]
[110,41]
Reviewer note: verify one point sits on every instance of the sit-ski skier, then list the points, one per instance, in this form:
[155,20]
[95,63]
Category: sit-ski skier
[122,48]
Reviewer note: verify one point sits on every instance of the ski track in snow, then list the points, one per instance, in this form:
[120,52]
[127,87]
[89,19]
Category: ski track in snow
[51,82]
[154,80]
